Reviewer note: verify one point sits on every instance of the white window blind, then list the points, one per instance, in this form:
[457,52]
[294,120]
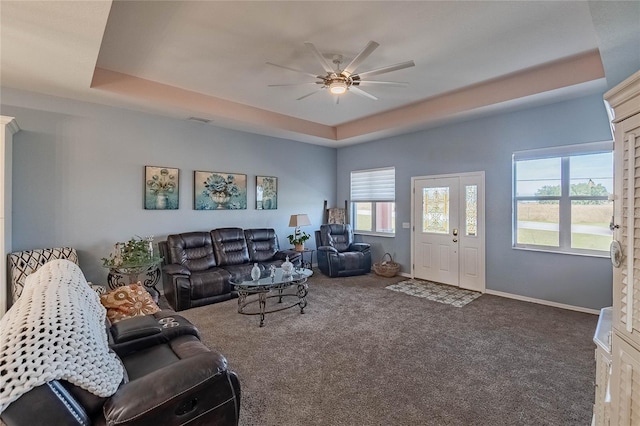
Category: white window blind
[373,185]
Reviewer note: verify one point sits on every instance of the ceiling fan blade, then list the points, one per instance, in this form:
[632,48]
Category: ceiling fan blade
[385,83]
[319,57]
[389,68]
[360,57]
[309,94]
[362,93]
[294,84]
[293,69]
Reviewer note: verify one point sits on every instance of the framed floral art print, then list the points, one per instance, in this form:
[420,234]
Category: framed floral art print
[266,192]
[219,191]
[161,188]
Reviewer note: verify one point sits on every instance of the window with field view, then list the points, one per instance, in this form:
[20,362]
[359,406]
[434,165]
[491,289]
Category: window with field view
[561,198]
[373,204]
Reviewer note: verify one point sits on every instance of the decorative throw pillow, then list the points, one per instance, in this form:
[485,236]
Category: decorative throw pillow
[128,301]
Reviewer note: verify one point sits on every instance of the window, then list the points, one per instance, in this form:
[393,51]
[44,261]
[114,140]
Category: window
[561,198]
[373,201]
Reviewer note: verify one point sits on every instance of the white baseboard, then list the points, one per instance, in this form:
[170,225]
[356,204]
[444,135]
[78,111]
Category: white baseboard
[531,299]
[543,302]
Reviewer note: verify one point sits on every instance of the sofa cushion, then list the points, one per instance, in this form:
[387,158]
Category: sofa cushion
[241,271]
[128,301]
[230,246]
[194,250]
[147,361]
[262,244]
[351,260]
[209,283]
[336,235]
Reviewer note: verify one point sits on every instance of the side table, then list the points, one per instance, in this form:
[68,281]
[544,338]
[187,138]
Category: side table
[309,264]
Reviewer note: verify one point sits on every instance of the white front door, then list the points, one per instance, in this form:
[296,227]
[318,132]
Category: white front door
[436,230]
[448,229]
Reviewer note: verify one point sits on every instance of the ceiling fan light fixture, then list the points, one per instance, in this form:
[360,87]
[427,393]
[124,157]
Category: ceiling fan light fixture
[338,87]
[340,80]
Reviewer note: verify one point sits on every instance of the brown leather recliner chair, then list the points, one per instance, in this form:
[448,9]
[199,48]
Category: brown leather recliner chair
[338,254]
[171,378]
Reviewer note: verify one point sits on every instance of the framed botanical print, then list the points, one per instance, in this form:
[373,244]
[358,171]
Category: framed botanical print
[219,191]
[266,192]
[161,188]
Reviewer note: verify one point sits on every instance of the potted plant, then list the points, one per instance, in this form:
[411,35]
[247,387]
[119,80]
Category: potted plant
[298,240]
[137,253]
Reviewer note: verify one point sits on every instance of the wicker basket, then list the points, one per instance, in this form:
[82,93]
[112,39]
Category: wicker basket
[386,268]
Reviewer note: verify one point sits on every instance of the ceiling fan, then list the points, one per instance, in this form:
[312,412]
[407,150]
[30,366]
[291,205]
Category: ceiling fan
[341,80]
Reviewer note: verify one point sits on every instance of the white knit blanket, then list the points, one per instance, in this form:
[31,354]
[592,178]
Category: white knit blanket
[56,330]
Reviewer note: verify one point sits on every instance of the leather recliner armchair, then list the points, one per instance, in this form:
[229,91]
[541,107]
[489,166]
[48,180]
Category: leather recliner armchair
[338,255]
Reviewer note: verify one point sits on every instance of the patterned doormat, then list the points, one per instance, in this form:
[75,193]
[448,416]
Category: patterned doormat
[441,293]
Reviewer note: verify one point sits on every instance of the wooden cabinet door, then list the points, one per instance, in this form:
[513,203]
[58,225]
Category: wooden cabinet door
[602,407]
[625,383]
[626,278]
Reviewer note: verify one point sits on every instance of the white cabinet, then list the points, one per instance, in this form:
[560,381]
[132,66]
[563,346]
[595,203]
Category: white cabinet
[625,383]
[602,406]
[624,100]
[602,339]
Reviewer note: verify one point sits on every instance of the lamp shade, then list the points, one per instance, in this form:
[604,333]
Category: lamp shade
[299,220]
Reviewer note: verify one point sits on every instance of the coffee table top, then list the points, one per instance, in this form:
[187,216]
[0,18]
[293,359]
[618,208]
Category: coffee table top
[266,282]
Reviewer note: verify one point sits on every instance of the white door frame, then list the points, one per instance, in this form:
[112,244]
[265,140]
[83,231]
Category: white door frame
[479,177]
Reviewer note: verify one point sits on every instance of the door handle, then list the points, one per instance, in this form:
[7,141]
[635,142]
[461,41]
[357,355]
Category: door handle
[455,240]
[455,232]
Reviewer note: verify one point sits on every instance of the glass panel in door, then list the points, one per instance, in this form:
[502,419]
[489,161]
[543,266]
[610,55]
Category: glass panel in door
[435,210]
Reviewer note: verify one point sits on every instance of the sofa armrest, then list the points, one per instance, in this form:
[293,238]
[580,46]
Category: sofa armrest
[360,247]
[180,389]
[179,326]
[295,257]
[134,328]
[282,254]
[176,269]
[327,249]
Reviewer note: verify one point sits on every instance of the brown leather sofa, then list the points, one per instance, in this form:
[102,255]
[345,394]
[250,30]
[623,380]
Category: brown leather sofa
[198,266]
[171,378]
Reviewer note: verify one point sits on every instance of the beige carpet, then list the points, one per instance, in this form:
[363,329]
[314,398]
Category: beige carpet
[364,355]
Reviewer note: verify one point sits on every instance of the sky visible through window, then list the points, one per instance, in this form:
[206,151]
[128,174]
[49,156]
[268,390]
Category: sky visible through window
[534,174]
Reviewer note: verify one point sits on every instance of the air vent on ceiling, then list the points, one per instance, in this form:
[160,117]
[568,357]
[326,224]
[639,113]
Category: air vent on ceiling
[199,120]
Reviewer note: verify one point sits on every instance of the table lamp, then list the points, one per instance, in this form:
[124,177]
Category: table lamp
[298,220]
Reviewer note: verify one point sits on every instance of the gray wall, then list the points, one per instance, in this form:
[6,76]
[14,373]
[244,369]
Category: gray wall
[487,144]
[78,172]
[78,181]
